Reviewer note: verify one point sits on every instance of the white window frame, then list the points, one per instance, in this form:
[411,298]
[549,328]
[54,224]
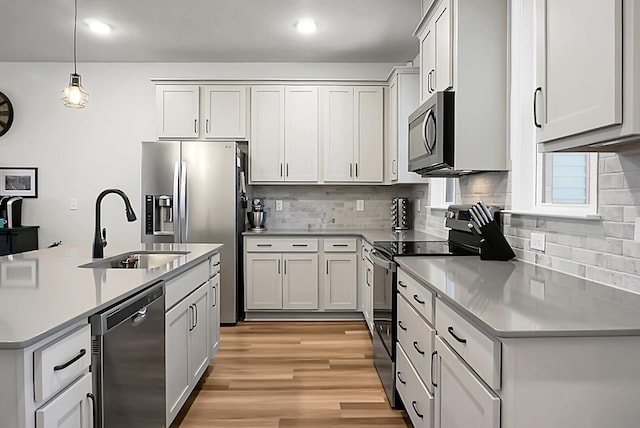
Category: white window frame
[526,162]
[438,193]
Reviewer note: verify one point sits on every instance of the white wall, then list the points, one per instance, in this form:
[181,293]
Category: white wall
[81,152]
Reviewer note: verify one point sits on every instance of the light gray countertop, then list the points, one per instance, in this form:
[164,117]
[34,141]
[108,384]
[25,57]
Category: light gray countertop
[44,291]
[370,235]
[518,299]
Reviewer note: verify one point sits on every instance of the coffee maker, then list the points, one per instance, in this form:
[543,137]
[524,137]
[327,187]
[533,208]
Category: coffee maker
[11,210]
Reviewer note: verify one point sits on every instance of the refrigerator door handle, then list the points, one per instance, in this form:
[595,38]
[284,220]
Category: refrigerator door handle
[184,207]
[176,205]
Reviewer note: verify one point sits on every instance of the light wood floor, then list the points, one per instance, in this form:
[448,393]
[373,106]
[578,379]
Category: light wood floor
[292,374]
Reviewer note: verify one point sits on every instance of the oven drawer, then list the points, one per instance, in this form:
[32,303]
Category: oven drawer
[417,400]
[416,338]
[480,351]
[417,295]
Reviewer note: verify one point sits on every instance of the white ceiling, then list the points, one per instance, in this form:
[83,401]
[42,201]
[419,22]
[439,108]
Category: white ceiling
[210,30]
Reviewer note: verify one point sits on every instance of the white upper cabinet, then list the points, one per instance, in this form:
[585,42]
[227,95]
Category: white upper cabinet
[225,112]
[222,114]
[301,134]
[267,133]
[436,51]
[177,111]
[284,129]
[403,100]
[587,75]
[352,133]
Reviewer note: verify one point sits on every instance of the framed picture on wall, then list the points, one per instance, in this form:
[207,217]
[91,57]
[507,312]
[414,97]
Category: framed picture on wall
[19,182]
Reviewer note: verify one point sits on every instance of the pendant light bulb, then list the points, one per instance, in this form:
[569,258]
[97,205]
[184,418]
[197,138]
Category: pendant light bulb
[74,95]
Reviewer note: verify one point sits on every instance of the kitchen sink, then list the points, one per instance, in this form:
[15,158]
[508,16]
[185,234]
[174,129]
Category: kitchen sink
[136,260]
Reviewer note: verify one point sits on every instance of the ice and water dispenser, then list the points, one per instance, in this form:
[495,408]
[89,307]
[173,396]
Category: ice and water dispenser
[158,215]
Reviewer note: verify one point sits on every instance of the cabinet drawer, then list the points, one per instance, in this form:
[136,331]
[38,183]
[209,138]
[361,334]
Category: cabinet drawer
[58,364]
[417,400]
[416,294]
[480,351]
[214,265]
[280,245]
[340,245]
[416,338]
[178,288]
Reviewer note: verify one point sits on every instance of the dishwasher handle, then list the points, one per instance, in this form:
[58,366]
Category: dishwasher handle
[139,317]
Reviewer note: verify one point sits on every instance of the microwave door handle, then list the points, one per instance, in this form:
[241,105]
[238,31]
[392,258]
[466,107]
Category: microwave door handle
[424,131]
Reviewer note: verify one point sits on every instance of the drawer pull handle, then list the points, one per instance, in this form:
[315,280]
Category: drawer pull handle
[415,297]
[217,264]
[71,361]
[415,345]
[300,245]
[433,354]
[415,409]
[401,326]
[94,413]
[402,381]
[455,336]
[264,245]
[340,245]
[402,284]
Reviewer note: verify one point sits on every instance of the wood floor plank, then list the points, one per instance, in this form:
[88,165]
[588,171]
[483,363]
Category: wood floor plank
[278,374]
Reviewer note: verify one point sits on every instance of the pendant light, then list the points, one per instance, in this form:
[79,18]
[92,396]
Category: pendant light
[74,95]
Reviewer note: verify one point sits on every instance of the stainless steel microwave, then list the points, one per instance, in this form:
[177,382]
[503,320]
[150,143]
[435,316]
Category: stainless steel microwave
[431,136]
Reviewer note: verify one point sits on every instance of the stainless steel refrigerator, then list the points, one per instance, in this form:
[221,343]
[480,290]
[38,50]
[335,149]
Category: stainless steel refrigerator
[192,191]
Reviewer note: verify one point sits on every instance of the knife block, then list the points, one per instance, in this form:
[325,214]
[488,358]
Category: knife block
[494,245]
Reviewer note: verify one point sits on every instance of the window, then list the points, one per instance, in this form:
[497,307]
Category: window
[442,192]
[542,183]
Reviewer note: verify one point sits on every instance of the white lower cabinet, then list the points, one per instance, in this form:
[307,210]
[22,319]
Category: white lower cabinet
[462,400]
[73,408]
[263,281]
[415,396]
[214,297]
[367,293]
[300,281]
[340,281]
[187,347]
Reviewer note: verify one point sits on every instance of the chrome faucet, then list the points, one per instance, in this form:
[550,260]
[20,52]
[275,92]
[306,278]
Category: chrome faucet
[100,241]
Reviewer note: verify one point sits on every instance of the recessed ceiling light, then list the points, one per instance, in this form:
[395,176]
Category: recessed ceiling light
[306,26]
[98,27]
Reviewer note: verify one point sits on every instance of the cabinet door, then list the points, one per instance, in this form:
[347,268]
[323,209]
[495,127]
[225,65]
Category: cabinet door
[300,281]
[178,321]
[442,78]
[264,281]
[267,133]
[177,111]
[301,134]
[225,112]
[368,294]
[71,409]
[199,333]
[462,400]
[392,163]
[214,298]
[369,113]
[427,62]
[340,281]
[579,66]
[337,132]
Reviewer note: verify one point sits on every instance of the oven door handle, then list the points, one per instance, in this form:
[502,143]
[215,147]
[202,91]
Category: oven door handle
[381,261]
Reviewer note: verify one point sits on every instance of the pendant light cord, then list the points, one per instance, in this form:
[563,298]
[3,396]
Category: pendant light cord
[75,30]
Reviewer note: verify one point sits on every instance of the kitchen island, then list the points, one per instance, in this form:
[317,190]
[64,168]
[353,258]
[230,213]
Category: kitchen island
[514,345]
[46,300]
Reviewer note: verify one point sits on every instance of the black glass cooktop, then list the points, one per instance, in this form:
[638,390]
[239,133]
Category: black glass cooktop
[419,248]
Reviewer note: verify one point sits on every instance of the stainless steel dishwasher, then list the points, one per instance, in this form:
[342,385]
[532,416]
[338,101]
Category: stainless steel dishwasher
[128,362]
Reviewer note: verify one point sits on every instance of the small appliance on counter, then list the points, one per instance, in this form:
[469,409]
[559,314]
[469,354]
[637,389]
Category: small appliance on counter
[400,214]
[11,210]
[257,216]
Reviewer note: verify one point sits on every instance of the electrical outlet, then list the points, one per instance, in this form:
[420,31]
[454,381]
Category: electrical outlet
[278,205]
[636,234]
[360,205]
[419,205]
[73,204]
[537,241]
